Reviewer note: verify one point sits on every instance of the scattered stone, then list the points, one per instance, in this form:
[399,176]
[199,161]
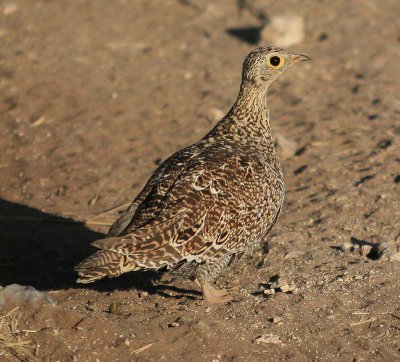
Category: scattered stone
[284,287]
[347,247]
[268,339]
[388,251]
[269,291]
[2,301]
[93,200]
[9,9]
[215,114]
[283,30]
[115,308]
[395,257]
[143,294]
[365,249]
[187,319]
[363,179]
[384,144]
[293,254]
[38,121]
[323,36]
[19,294]
[277,320]
[277,284]
[285,147]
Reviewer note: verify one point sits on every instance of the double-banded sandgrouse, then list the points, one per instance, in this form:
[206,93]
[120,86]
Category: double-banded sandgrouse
[209,203]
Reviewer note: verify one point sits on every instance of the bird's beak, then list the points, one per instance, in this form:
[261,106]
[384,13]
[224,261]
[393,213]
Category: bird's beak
[296,58]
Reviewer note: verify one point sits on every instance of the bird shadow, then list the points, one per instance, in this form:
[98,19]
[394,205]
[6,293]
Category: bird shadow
[41,250]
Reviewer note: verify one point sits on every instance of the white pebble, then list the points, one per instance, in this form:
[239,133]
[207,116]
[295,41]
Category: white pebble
[9,9]
[268,339]
[283,30]
[20,294]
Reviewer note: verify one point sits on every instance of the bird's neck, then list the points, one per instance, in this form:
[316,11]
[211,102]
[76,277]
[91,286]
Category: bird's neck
[248,119]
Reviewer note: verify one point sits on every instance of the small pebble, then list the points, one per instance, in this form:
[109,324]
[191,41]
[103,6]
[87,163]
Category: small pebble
[293,254]
[215,114]
[19,294]
[278,285]
[268,339]
[284,30]
[286,148]
[388,251]
[285,287]
[269,291]
[347,247]
[395,257]
[277,320]
[115,308]
[365,249]
[9,9]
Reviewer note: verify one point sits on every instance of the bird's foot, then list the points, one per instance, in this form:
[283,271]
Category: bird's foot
[214,295]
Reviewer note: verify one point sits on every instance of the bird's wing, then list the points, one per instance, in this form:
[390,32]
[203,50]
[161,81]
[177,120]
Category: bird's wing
[160,181]
[204,214]
[125,218]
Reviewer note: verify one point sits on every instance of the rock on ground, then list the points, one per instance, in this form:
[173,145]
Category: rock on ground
[283,30]
[19,294]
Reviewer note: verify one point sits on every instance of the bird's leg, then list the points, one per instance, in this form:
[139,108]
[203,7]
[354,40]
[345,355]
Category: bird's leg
[213,295]
[207,272]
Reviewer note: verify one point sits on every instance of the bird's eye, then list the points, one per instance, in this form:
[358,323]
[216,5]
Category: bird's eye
[276,62]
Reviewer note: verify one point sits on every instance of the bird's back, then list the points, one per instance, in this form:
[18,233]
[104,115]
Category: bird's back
[206,201]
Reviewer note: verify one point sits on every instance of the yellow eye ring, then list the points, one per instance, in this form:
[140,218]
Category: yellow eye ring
[275,62]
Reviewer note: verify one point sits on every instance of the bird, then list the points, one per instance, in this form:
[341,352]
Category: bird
[209,204]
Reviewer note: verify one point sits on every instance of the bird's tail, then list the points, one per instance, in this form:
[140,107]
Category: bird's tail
[104,263]
[144,248]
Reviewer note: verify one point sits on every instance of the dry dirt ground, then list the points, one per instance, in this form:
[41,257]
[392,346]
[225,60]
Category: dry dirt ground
[94,94]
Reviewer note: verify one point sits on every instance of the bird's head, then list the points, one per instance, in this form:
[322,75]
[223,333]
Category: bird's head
[263,65]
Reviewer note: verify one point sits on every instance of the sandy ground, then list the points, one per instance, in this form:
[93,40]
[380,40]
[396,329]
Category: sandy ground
[94,94]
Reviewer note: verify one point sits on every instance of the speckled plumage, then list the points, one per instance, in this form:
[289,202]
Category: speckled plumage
[210,203]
